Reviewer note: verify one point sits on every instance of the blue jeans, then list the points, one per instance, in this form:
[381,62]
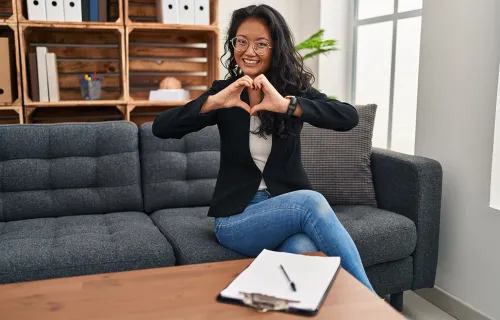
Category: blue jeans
[296,222]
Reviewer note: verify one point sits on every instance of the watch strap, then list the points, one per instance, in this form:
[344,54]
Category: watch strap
[292,105]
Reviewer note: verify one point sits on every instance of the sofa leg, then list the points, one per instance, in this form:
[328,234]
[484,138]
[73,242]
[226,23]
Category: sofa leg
[397,301]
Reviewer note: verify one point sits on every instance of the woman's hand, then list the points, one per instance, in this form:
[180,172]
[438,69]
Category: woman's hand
[230,96]
[273,101]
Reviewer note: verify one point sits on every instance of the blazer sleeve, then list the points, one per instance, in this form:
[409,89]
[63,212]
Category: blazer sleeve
[323,112]
[177,122]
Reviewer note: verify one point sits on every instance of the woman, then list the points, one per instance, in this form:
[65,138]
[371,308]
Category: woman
[262,198]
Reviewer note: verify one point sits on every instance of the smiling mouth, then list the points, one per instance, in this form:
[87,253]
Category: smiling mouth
[251,62]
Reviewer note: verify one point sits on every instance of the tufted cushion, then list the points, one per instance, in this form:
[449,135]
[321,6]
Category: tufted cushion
[77,245]
[380,236]
[338,163]
[179,172]
[192,236]
[68,169]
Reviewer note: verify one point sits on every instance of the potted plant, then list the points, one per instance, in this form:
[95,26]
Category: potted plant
[316,45]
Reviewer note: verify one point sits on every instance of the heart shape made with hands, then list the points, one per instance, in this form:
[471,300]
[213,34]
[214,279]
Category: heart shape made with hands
[272,100]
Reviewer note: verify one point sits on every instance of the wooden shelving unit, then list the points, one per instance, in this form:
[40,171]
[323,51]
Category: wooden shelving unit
[80,49]
[131,51]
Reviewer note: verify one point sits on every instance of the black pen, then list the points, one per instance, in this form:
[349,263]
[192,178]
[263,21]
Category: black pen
[288,278]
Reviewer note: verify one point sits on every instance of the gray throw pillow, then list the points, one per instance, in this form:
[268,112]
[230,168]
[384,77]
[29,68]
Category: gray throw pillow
[338,163]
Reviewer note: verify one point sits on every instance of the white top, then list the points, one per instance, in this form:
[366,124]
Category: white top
[260,148]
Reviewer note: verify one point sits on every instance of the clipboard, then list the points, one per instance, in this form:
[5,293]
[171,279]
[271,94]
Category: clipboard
[265,303]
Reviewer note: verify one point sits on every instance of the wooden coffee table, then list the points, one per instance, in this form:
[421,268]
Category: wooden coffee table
[185,292]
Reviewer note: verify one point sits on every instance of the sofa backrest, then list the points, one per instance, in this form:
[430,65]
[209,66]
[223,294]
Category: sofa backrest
[179,172]
[68,169]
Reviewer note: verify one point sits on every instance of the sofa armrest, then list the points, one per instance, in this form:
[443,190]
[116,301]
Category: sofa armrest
[411,186]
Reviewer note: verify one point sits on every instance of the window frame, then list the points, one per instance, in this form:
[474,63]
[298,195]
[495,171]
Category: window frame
[356,23]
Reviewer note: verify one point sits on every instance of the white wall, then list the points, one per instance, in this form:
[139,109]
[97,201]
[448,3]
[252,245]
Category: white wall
[308,24]
[460,53]
[301,16]
[334,69]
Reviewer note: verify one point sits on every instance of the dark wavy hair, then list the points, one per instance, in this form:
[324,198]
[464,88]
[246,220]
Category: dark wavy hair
[286,73]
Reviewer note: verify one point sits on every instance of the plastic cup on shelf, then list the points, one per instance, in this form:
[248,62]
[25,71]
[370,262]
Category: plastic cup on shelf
[91,89]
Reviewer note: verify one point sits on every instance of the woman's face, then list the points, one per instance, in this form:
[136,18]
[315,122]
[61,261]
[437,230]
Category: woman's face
[255,34]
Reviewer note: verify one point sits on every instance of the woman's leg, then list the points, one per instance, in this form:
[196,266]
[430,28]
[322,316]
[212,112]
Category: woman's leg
[298,243]
[267,224]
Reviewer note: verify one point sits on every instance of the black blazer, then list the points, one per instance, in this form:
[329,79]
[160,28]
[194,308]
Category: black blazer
[239,177]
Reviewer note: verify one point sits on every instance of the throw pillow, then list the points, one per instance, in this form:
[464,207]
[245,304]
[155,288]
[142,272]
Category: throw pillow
[338,163]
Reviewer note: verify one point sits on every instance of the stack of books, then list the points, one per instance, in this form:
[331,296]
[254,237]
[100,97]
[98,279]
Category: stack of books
[44,79]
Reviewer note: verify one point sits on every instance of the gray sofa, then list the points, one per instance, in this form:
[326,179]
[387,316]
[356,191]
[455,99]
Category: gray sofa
[102,197]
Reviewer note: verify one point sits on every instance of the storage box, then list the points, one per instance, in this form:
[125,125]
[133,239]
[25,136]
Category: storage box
[169,95]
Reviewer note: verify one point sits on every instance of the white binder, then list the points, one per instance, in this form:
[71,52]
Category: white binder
[52,77]
[55,10]
[186,11]
[42,73]
[202,12]
[36,10]
[168,11]
[73,10]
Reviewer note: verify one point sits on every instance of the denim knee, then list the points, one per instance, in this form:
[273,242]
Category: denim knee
[298,243]
[314,201]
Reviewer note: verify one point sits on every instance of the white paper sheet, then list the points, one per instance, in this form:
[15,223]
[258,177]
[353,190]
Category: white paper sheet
[311,275]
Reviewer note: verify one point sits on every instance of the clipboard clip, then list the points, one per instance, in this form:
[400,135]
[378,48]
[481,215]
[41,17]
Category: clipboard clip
[264,303]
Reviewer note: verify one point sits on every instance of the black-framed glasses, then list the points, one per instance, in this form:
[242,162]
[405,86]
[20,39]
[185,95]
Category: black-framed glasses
[261,47]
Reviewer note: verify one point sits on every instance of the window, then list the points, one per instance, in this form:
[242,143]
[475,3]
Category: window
[385,68]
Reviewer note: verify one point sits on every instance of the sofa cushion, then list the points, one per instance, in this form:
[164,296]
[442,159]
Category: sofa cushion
[338,163]
[54,170]
[192,235]
[77,245]
[179,172]
[380,235]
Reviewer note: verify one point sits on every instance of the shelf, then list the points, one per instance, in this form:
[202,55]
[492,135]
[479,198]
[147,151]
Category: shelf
[75,114]
[79,51]
[8,23]
[190,56]
[10,107]
[149,109]
[16,113]
[75,103]
[145,103]
[71,25]
[172,27]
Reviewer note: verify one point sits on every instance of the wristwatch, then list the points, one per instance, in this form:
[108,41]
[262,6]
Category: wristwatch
[292,106]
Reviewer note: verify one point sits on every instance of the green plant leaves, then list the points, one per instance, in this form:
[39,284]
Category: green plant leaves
[317,45]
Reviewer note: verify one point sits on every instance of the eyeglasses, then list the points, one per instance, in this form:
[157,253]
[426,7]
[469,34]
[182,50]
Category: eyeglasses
[261,47]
